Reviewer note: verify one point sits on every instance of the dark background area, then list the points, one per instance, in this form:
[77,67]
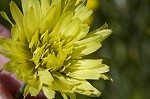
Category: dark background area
[128,48]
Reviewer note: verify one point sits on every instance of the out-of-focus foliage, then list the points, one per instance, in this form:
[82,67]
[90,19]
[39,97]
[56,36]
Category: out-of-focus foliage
[127,48]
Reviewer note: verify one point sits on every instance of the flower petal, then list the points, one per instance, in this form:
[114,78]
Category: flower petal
[14,32]
[65,96]
[48,92]
[62,23]
[18,17]
[85,64]
[34,42]
[4,15]
[85,49]
[50,17]
[10,66]
[71,95]
[69,5]
[93,36]
[25,69]
[24,5]
[45,77]
[82,13]
[62,84]
[33,87]
[87,89]
[90,43]
[14,50]
[86,69]
[16,13]
[84,31]
[45,5]
[30,23]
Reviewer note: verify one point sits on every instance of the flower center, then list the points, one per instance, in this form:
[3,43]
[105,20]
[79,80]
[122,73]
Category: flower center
[50,52]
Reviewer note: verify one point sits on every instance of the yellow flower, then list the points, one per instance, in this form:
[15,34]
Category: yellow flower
[48,45]
[92,5]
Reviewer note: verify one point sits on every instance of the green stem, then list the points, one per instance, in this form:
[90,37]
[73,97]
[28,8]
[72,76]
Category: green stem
[19,94]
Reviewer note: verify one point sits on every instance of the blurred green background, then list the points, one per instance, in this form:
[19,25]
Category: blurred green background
[128,48]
